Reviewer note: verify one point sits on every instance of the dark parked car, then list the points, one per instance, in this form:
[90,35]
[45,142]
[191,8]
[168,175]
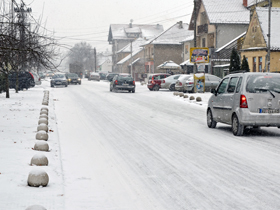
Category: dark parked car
[155,80]
[25,80]
[110,76]
[123,82]
[58,80]
[73,78]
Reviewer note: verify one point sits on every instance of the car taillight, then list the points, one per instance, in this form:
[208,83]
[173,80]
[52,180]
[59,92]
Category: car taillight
[180,83]
[116,82]
[153,82]
[190,83]
[133,82]
[163,81]
[243,102]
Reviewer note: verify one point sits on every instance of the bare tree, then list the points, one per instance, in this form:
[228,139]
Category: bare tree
[82,53]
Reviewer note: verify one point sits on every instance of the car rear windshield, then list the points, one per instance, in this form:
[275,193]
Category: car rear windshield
[58,76]
[263,83]
[72,75]
[125,78]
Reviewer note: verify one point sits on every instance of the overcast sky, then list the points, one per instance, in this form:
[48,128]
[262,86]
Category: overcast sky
[89,20]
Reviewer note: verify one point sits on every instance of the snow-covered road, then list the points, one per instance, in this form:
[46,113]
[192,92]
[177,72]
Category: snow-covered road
[133,151]
[153,150]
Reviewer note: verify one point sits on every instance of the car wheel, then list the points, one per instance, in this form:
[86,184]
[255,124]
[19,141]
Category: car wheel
[172,87]
[133,91]
[66,85]
[150,89]
[210,122]
[156,88]
[110,89]
[237,128]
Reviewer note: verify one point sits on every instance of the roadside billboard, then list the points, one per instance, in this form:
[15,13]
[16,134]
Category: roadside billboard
[199,55]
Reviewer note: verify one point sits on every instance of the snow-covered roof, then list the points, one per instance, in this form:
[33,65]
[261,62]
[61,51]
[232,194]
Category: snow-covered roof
[275,29]
[135,52]
[173,35]
[121,31]
[227,44]
[189,38]
[226,11]
[253,2]
[135,45]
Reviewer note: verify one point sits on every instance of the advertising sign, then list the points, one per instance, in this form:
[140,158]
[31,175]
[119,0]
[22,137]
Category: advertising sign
[199,83]
[199,55]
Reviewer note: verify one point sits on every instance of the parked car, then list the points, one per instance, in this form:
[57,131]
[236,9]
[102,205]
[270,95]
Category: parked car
[110,76]
[59,80]
[154,81]
[246,100]
[25,80]
[37,78]
[211,82]
[123,82]
[169,82]
[180,84]
[94,76]
[102,75]
[73,78]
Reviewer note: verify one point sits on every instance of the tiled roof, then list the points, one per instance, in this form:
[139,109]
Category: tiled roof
[226,11]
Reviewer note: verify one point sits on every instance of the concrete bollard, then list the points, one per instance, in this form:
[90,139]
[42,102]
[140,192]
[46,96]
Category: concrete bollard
[35,207]
[192,98]
[181,94]
[42,116]
[37,178]
[44,112]
[45,103]
[41,146]
[45,108]
[186,96]
[39,160]
[43,127]
[42,135]
[198,99]
[43,120]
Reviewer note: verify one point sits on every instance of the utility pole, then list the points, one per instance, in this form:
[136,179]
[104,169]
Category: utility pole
[95,61]
[21,14]
[194,34]
[131,59]
[268,35]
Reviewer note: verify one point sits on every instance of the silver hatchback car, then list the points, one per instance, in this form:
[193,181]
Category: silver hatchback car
[246,100]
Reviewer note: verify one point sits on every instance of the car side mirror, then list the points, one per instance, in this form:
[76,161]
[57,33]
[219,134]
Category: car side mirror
[214,92]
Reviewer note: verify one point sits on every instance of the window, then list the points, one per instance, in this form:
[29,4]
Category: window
[223,85]
[254,64]
[232,84]
[203,42]
[260,64]
[239,85]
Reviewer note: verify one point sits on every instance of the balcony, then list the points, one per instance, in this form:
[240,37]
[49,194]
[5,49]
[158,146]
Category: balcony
[202,29]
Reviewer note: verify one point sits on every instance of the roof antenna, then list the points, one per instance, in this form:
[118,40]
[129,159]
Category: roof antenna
[130,24]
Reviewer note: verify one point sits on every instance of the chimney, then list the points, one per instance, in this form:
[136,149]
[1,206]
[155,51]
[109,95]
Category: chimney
[245,3]
[180,24]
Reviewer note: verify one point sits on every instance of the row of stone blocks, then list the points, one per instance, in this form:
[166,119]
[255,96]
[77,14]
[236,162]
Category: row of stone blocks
[38,177]
[198,99]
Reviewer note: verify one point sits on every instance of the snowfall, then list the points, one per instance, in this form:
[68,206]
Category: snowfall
[148,150]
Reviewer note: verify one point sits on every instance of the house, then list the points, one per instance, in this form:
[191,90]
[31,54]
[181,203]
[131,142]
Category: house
[166,46]
[217,23]
[120,35]
[133,59]
[256,41]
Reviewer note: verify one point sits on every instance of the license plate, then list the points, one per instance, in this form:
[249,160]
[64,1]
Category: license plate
[269,111]
[58,83]
[125,84]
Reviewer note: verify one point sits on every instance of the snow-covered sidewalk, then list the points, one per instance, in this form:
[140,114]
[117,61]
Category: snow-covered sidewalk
[19,120]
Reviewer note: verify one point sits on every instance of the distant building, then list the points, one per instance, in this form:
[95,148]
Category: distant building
[120,35]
